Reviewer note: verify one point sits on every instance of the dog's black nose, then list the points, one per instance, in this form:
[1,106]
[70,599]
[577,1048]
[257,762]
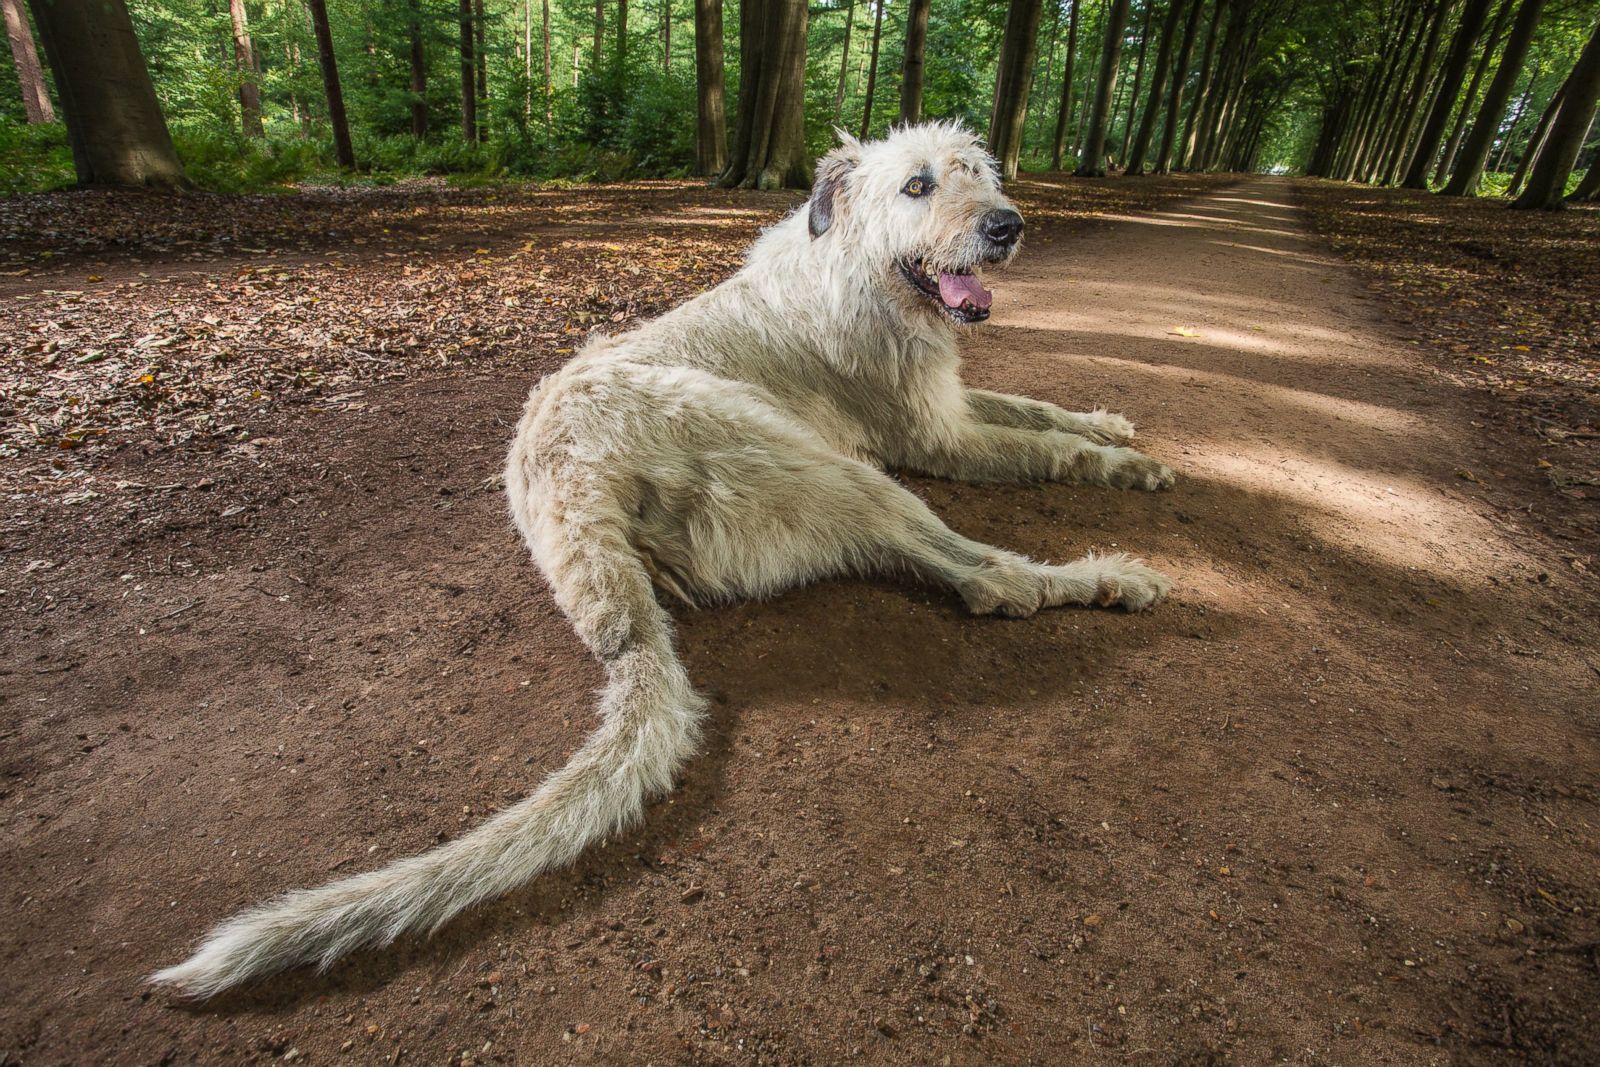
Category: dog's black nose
[1002,227]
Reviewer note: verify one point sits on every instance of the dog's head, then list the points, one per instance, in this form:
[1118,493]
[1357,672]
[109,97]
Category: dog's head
[922,211]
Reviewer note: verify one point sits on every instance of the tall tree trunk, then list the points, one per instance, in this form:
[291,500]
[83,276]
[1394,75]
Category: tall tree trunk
[844,64]
[1013,76]
[1158,86]
[419,75]
[872,71]
[1213,116]
[1138,78]
[622,35]
[469,75]
[114,121]
[480,55]
[1536,142]
[1469,100]
[711,123]
[549,80]
[769,145]
[1589,188]
[1180,74]
[666,36]
[911,67]
[35,97]
[1064,110]
[1475,149]
[1450,78]
[1394,72]
[1092,163]
[244,60]
[1202,89]
[1548,182]
[599,35]
[343,151]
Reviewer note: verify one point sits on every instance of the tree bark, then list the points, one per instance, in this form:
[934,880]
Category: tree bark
[30,76]
[549,79]
[911,70]
[114,121]
[1469,100]
[1092,163]
[244,60]
[343,150]
[419,75]
[1409,102]
[1536,141]
[1138,78]
[711,122]
[872,71]
[666,36]
[844,64]
[480,55]
[1180,74]
[1064,110]
[1013,75]
[1158,87]
[1444,99]
[1202,90]
[599,34]
[769,150]
[1547,184]
[622,36]
[469,74]
[1475,149]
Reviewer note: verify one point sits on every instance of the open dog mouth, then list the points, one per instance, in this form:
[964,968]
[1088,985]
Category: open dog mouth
[959,294]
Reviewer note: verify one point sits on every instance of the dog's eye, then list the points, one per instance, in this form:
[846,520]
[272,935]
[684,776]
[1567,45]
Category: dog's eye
[918,187]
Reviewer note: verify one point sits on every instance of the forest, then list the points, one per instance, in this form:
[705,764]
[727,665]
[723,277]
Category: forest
[1493,97]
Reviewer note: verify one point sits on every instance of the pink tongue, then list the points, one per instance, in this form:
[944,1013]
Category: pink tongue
[958,289]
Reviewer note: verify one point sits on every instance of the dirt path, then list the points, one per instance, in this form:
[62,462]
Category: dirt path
[1335,802]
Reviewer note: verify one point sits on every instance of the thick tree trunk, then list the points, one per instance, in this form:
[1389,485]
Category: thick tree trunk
[1012,79]
[419,75]
[480,55]
[911,68]
[1475,149]
[1158,87]
[1180,74]
[711,123]
[872,70]
[1547,184]
[844,64]
[343,150]
[30,76]
[1589,188]
[1469,101]
[1064,110]
[1536,142]
[1450,78]
[1138,79]
[1202,90]
[244,60]
[769,150]
[1092,163]
[114,121]
[469,75]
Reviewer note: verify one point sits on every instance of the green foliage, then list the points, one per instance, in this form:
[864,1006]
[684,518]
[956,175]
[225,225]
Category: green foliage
[33,158]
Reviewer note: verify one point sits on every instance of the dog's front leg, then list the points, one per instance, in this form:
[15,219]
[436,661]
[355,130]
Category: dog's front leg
[1024,413]
[973,451]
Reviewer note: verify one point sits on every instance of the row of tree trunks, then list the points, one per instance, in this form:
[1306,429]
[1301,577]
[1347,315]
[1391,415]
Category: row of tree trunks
[1547,182]
[872,70]
[1180,74]
[1474,151]
[36,104]
[1092,160]
[1456,60]
[244,59]
[1138,78]
[1013,79]
[1064,108]
[1469,101]
[1158,86]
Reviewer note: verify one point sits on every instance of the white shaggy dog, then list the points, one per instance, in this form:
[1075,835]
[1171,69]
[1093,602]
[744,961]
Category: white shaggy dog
[731,448]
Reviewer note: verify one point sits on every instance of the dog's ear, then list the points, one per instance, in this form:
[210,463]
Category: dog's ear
[831,172]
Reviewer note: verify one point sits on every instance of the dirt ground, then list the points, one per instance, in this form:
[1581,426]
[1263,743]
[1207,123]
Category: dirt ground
[1334,802]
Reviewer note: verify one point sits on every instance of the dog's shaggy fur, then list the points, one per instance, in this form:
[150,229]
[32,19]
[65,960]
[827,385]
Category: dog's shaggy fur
[731,448]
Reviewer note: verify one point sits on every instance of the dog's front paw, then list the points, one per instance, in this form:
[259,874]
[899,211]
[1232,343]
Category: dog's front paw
[1128,469]
[1126,582]
[1103,427]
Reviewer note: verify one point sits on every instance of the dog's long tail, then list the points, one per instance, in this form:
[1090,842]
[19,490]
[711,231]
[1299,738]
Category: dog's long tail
[650,725]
